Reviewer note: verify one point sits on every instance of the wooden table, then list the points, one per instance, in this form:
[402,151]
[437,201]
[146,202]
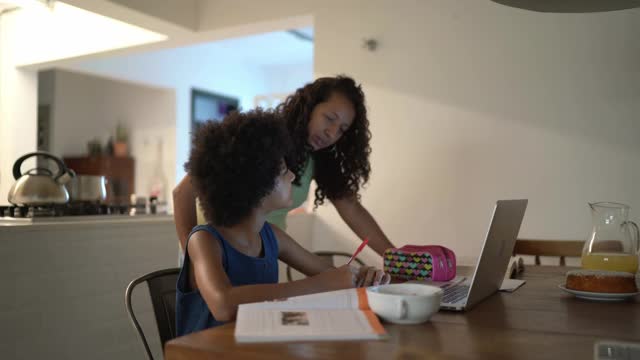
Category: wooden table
[538,321]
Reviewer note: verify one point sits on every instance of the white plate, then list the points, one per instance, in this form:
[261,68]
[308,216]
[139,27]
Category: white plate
[599,296]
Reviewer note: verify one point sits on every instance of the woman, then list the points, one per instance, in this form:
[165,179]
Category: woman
[329,129]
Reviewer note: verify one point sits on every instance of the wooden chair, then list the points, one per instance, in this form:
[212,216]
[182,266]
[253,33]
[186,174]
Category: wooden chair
[561,248]
[330,255]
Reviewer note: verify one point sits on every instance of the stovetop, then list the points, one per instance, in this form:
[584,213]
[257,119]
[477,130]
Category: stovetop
[71,209]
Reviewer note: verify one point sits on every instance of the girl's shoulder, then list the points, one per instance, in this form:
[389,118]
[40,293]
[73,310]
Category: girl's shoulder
[201,230]
[203,234]
[205,237]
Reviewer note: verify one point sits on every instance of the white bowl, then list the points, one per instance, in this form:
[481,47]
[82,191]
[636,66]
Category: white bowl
[404,303]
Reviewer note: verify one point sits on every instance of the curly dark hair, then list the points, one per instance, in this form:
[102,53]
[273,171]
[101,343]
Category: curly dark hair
[339,171]
[234,164]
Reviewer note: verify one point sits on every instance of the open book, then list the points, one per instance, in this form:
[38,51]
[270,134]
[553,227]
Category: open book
[334,315]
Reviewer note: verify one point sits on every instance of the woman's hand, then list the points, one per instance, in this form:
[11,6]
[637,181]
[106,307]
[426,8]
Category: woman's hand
[370,276]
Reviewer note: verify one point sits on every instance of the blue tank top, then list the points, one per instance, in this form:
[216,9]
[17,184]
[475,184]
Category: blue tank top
[192,313]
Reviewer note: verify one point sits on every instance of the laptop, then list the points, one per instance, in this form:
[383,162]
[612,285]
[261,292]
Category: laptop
[497,250]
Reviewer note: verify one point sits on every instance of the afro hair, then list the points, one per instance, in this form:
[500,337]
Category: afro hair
[234,163]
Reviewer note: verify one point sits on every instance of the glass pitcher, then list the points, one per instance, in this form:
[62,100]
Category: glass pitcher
[614,241]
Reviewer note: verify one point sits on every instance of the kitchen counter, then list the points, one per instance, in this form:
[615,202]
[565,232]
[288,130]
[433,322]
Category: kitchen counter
[85,220]
[65,279]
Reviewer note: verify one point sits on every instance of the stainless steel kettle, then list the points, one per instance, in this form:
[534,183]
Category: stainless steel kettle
[39,186]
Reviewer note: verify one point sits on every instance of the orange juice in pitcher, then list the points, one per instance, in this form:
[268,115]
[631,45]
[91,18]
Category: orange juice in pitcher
[614,241]
[611,262]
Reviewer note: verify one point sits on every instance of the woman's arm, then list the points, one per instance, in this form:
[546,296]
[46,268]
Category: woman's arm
[184,209]
[208,276]
[298,257]
[362,223]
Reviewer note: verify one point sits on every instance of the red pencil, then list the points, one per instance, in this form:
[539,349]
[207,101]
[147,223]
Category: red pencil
[364,243]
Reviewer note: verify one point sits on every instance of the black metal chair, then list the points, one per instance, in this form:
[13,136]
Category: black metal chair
[330,255]
[162,290]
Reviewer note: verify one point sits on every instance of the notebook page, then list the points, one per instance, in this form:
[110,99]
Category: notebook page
[339,299]
[261,325]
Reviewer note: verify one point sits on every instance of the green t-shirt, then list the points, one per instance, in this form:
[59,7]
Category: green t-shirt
[298,193]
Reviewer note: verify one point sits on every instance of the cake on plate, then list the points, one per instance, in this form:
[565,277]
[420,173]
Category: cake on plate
[601,281]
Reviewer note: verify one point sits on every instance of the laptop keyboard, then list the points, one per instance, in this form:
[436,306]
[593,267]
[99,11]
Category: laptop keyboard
[455,293]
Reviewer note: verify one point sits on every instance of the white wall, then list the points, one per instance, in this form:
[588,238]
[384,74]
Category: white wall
[183,13]
[228,68]
[61,31]
[18,106]
[180,71]
[221,67]
[46,88]
[87,107]
[286,78]
[473,101]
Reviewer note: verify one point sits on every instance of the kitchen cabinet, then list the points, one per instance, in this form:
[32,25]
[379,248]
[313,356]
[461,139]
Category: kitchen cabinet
[119,172]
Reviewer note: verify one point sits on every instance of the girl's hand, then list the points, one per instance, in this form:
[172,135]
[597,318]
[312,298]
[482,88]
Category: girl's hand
[370,276]
[343,277]
[347,276]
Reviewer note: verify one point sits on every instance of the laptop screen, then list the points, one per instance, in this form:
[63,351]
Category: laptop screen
[497,249]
